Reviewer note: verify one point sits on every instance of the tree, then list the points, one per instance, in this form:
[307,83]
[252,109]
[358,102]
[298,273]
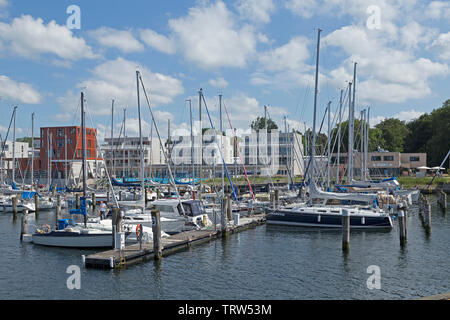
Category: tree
[25,139]
[439,143]
[260,123]
[394,133]
[420,132]
[376,139]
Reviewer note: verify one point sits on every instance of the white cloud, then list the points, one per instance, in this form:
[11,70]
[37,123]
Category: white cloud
[3,11]
[407,116]
[29,37]
[385,73]
[291,56]
[120,39]
[442,43]
[437,10]
[256,10]
[157,41]
[116,79]
[210,37]
[218,82]
[18,91]
[302,8]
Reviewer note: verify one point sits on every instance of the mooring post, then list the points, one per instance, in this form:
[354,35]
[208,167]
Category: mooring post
[113,224]
[277,192]
[94,204]
[158,194]
[428,218]
[14,204]
[36,205]
[345,230]
[402,226]
[77,200]
[23,229]
[223,216]
[272,200]
[120,195]
[145,196]
[229,208]
[156,228]
[58,210]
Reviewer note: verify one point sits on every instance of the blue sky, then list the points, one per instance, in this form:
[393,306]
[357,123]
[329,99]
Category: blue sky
[255,53]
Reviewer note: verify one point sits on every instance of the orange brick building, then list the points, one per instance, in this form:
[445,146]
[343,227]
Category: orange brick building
[56,142]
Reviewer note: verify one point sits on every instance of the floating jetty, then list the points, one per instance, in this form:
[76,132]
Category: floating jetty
[132,254]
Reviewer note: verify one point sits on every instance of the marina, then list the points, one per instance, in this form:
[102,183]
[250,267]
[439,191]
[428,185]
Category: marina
[251,261]
[224,150]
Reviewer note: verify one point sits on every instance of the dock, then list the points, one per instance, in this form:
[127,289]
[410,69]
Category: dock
[132,254]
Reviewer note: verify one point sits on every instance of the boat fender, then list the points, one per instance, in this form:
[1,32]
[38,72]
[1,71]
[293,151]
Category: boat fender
[138,231]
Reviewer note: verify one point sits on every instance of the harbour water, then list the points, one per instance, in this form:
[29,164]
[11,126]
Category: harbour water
[268,262]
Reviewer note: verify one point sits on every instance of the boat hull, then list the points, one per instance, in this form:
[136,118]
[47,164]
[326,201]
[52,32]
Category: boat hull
[74,240]
[312,219]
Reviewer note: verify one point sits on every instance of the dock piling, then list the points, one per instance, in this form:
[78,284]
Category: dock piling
[58,209]
[156,228]
[277,193]
[14,204]
[345,230]
[93,201]
[36,205]
[23,229]
[402,226]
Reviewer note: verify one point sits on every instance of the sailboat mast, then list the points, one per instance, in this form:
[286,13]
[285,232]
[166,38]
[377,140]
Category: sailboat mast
[221,141]
[366,146]
[316,91]
[339,139]
[200,94]
[112,136]
[123,146]
[192,141]
[350,136]
[329,146]
[363,119]
[65,157]
[83,144]
[141,151]
[32,151]
[14,148]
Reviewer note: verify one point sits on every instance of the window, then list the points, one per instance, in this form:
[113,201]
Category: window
[388,158]
[375,158]
[59,143]
[60,132]
[72,130]
[414,158]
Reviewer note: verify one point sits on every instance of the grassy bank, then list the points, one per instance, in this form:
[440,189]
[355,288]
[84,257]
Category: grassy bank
[411,182]
[406,182]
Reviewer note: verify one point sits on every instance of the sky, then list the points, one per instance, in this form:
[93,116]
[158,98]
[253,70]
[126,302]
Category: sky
[252,52]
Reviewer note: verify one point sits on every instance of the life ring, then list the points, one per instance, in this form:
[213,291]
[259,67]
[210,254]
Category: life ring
[138,230]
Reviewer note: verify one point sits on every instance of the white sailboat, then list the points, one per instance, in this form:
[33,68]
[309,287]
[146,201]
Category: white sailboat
[367,215]
[74,235]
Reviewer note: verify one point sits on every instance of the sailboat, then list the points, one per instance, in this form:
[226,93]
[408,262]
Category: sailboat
[368,215]
[70,234]
[175,213]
